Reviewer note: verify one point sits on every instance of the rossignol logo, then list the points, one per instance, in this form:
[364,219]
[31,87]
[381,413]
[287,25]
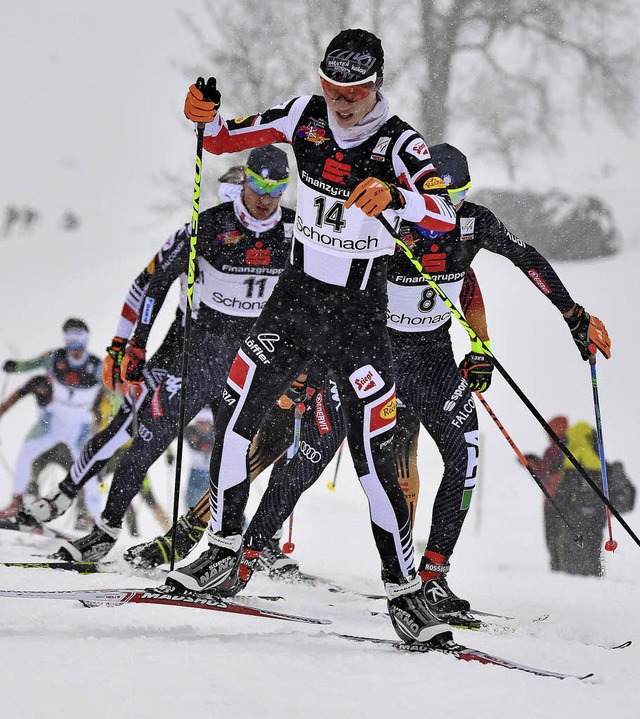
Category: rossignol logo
[366,381]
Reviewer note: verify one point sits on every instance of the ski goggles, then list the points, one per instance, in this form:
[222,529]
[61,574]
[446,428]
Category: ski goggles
[456,196]
[76,339]
[349,92]
[263,185]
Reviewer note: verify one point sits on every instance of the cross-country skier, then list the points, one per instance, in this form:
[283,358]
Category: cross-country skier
[242,250]
[355,161]
[42,391]
[69,415]
[428,381]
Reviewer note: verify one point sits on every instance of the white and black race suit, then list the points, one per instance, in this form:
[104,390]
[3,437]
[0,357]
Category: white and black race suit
[330,303]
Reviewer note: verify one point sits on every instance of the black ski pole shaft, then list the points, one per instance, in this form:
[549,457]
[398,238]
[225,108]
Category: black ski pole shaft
[191,272]
[577,537]
[332,484]
[610,545]
[474,337]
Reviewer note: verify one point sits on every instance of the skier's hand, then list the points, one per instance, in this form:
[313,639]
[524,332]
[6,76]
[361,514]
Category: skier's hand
[477,370]
[111,363]
[373,196]
[133,363]
[203,101]
[296,393]
[10,366]
[588,332]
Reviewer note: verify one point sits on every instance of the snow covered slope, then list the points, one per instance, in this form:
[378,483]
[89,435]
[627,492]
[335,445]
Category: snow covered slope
[102,121]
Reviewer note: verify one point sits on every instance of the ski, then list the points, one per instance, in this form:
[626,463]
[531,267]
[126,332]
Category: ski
[163,596]
[123,568]
[41,530]
[460,652]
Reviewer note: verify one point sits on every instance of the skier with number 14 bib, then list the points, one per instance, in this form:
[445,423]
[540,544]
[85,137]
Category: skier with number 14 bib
[356,160]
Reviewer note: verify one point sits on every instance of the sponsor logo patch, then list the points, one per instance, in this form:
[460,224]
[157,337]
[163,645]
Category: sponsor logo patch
[382,415]
[156,404]
[258,255]
[467,228]
[380,150]
[239,371]
[228,238]
[320,414]
[418,148]
[538,281]
[433,183]
[147,309]
[366,381]
[335,170]
[311,133]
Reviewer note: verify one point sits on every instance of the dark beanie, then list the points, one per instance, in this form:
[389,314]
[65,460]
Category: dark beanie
[352,56]
[269,162]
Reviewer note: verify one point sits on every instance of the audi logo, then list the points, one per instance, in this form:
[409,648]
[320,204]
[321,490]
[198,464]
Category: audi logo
[311,453]
[145,433]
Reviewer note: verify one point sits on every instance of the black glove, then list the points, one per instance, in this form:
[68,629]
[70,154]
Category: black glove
[10,366]
[477,369]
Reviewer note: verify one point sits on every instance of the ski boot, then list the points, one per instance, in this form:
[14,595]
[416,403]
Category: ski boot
[276,563]
[56,503]
[216,570]
[158,551]
[411,617]
[14,506]
[440,599]
[94,546]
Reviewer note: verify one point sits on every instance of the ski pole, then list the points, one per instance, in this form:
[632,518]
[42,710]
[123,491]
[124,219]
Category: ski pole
[332,483]
[610,545]
[474,337]
[191,273]
[577,537]
[300,409]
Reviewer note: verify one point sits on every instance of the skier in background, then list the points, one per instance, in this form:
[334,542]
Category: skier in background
[68,417]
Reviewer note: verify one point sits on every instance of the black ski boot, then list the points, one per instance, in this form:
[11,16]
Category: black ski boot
[440,599]
[216,570]
[411,617]
[158,551]
[94,546]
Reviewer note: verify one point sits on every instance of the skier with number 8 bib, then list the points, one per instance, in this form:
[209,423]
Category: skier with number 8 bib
[356,160]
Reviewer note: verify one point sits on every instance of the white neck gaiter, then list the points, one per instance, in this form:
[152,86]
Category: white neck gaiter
[347,137]
[250,222]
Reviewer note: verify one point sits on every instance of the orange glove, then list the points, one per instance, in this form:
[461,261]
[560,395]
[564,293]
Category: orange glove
[373,196]
[599,336]
[295,394]
[111,363]
[203,101]
[133,363]
[588,332]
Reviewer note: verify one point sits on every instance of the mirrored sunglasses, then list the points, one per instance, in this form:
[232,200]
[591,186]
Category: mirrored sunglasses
[264,186]
[351,93]
[456,196]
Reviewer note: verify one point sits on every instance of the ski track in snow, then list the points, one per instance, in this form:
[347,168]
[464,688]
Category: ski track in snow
[60,659]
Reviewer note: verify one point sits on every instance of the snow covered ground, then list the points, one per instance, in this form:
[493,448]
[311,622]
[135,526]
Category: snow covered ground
[59,659]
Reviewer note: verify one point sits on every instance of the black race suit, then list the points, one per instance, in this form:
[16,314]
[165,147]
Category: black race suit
[428,382]
[330,303]
[238,264]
